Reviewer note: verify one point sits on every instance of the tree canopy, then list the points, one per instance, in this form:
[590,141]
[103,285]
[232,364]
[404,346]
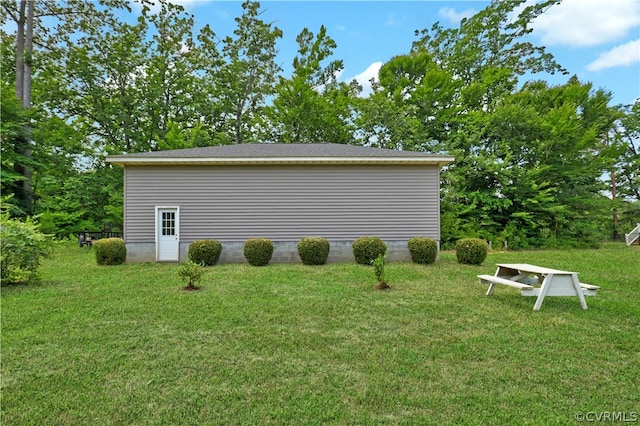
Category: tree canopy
[536,165]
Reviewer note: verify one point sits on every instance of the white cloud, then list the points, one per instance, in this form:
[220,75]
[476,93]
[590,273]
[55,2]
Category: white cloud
[364,78]
[581,23]
[393,20]
[622,55]
[455,17]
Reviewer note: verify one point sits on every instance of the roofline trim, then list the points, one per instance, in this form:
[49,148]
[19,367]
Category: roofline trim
[440,160]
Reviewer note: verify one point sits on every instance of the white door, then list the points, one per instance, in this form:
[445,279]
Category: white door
[167,230]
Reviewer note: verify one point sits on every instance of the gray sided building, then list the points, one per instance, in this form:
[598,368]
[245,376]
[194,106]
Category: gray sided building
[283,192]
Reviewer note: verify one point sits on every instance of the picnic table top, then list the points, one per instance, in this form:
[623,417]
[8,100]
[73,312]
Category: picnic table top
[534,269]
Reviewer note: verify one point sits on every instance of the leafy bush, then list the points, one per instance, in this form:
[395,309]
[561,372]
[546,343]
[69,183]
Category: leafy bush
[471,251]
[313,250]
[423,249]
[258,251]
[206,252]
[110,251]
[378,269]
[515,237]
[191,273]
[367,249]
[23,248]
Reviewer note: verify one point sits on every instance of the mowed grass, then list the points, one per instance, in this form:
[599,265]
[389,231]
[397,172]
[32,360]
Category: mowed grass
[296,344]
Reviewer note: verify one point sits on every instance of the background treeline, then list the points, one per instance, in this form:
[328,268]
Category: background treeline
[536,165]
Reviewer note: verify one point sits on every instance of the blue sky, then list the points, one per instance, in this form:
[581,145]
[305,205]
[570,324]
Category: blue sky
[598,40]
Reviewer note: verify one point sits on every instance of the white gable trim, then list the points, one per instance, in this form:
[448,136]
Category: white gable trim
[156,161]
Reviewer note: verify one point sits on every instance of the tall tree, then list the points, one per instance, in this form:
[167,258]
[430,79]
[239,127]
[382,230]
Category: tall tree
[23,14]
[62,20]
[492,38]
[312,105]
[209,102]
[172,80]
[125,82]
[528,162]
[100,87]
[412,106]
[624,139]
[627,136]
[534,177]
[247,77]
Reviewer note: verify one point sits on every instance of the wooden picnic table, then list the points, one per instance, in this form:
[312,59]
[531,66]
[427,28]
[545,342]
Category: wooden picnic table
[539,281]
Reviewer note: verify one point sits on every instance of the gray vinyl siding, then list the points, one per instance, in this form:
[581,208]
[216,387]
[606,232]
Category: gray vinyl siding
[285,203]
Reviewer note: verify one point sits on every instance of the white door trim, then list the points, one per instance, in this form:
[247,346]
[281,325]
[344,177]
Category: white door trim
[175,250]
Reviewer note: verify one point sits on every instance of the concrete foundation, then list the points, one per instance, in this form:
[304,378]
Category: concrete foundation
[284,252]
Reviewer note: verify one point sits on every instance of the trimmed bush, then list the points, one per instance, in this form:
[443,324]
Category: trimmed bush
[205,252]
[110,251]
[367,249]
[313,250]
[23,248]
[423,249]
[471,251]
[258,251]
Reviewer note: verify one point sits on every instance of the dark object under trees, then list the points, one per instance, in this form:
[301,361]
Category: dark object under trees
[86,238]
[110,251]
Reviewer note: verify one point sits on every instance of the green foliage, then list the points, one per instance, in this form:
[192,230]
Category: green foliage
[627,143]
[70,202]
[514,236]
[490,48]
[247,77]
[176,137]
[206,252]
[191,273]
[423,249]
[23,248]
[528,165]
[303,114]
[529,157]
[367,249]
[471,251]
[378,267]
[110,251]
[313,250]
[405,112]
[258,251]
[12,128]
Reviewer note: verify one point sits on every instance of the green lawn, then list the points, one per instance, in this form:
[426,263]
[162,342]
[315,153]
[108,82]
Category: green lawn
[295,344]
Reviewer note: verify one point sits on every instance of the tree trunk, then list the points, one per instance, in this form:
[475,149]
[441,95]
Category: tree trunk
[20,22]
[614,195]
[24,49]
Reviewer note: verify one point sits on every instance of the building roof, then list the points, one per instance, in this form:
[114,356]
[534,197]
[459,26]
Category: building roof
[271,154]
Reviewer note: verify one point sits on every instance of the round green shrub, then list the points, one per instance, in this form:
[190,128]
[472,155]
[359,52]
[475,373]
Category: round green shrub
[110,251]
[367,249]
[423,249]
[206,252]
[258,251]
[471,251]
[23,248]
[313,250]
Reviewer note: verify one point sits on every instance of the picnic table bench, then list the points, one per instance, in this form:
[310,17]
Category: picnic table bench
[552,282]
[86,238]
